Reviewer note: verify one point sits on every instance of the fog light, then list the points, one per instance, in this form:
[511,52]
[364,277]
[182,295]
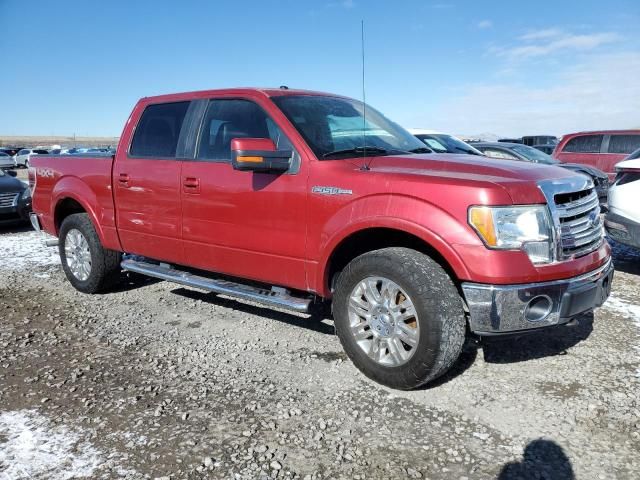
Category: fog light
[538,308]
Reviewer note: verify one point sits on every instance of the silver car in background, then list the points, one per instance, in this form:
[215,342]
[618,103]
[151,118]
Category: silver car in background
[24,155]
[7,161]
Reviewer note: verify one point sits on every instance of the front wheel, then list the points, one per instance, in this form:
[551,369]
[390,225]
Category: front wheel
[399,317]
[87,264]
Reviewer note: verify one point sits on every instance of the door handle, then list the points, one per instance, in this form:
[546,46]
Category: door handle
[191,182]
[123,180]
[191,185]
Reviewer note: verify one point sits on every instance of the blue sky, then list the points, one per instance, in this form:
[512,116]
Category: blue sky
[466,67]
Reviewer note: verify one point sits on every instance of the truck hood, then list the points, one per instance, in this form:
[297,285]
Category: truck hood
[519,179]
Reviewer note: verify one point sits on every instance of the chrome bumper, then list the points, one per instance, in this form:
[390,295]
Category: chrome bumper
[497,309]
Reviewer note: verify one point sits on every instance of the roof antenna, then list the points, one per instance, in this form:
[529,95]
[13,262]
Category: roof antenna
[364,105]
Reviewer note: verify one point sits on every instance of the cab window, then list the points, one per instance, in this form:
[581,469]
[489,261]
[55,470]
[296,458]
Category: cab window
[158,130]
[227,119]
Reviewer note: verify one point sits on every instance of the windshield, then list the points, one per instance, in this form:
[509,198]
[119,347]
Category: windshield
[533,154]
[334,126]
[441,143]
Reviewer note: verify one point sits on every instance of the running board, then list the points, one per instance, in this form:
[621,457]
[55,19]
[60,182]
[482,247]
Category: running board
[276,297]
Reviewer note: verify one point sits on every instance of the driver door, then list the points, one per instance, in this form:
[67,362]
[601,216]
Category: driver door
[240,223]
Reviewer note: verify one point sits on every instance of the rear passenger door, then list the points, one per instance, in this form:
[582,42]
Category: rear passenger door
[146,183]
[245,224]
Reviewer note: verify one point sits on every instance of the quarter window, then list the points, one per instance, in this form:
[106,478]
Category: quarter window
[624,143]
[158,130]
[584,144]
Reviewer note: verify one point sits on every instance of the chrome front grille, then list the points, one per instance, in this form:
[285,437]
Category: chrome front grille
[9,199]
[575,211]
[580,225]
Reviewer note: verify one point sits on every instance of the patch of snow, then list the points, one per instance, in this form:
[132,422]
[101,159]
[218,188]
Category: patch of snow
[624,308]
[22,251]
[32,447]
[627,310]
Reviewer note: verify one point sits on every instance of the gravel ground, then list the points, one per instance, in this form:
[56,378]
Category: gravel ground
[157,381]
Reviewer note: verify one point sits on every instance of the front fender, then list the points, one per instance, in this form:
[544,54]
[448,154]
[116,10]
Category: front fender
[436,227]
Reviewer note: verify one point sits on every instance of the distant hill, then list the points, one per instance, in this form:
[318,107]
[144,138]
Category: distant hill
[485,137]
[48,141]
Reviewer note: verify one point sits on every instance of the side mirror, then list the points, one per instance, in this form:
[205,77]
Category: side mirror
[12,173]
[259,155]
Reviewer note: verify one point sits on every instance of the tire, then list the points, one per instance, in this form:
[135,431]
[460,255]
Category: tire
[104,268]
[439,318]
[26,164]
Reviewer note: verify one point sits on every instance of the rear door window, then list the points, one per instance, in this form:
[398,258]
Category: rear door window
[623,143]
[584,144]
[158,130]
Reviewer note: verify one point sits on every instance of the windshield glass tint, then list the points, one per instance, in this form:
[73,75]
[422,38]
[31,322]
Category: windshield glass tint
[329,124]
[533,154]
[441,143]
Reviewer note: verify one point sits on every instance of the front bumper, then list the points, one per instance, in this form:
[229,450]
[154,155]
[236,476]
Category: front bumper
[622,229]
[499,309]
[18,212]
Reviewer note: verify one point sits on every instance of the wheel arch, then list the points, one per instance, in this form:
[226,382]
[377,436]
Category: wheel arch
[394,233]
[72,195]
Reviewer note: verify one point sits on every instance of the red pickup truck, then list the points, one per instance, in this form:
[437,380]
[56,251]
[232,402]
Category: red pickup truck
[291,198]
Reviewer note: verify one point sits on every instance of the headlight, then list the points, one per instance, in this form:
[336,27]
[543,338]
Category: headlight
[515,228]
[26,193]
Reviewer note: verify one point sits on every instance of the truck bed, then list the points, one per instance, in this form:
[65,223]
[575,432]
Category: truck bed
[83,180]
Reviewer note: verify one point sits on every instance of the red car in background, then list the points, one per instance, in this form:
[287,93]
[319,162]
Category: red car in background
[601,149]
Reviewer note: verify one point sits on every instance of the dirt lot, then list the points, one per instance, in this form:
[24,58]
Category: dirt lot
[154,380]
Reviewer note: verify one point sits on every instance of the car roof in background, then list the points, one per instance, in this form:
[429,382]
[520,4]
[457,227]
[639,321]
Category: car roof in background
[496,144]
[635,131]
[424,131]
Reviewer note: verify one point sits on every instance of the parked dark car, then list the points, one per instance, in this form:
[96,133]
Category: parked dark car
[533,140]
[547,148]
[518,151]
[11,151]
[15,199]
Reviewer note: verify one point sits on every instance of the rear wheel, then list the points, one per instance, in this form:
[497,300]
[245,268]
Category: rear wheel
[399,317]
[87,264]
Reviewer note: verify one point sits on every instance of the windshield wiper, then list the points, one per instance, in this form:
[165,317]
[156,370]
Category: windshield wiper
[356,150]
[421,150]
[464,150]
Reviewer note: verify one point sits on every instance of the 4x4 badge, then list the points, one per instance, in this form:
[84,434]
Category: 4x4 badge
[331,191]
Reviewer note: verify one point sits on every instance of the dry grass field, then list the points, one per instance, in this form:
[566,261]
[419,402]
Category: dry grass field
[34,141]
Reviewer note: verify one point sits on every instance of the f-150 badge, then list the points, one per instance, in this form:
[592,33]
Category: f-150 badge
[331,191]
